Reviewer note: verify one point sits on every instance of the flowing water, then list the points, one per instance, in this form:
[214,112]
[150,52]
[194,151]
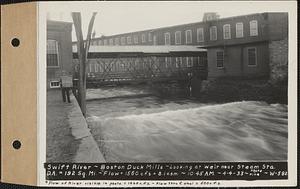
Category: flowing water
[152,129]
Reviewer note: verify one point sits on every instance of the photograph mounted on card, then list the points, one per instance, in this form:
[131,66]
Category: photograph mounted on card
[166,94]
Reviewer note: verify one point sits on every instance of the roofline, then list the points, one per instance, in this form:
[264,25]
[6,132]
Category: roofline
[59,22]
[178,25]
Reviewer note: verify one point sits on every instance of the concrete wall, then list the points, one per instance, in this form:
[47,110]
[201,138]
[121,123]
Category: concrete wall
[236,61]
[278,52]
[61,32]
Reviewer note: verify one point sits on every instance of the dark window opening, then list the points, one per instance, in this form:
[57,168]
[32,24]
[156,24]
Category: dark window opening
[252,56]
[220,59]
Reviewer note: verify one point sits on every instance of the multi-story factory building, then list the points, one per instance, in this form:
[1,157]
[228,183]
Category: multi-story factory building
[243,46]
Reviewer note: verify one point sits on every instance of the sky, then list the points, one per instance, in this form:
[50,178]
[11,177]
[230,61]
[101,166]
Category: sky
[120,17]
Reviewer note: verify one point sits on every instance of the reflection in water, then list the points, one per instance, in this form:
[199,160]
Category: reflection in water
[150,129]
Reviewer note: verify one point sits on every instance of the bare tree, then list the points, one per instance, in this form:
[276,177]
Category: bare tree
[82,50]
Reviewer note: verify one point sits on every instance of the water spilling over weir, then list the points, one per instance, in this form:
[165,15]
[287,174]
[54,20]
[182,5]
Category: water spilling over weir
[148,128]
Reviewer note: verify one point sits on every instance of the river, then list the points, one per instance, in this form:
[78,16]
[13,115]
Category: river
[142,127]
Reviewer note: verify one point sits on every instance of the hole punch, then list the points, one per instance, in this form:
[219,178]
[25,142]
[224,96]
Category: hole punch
[15,42]
[16,144]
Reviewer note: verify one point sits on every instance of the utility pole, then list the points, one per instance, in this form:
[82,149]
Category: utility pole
[82,50]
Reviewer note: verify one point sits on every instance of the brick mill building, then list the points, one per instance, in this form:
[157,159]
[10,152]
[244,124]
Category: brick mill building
[254,45]
[241,46]
[59,51]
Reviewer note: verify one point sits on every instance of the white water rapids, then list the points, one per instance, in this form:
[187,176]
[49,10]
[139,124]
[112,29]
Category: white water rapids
[149,129]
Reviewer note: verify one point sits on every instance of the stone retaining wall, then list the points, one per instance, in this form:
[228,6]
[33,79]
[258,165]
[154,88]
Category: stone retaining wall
[278,58]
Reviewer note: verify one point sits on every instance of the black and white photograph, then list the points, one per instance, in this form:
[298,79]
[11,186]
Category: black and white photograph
[167,82]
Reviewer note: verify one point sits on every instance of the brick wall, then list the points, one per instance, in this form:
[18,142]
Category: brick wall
[278,52]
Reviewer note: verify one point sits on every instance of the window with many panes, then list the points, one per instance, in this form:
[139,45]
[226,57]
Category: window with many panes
[117,41]
[189,61]
[239,30]
[128,40]
[150,36]
[105,42]
[136,39]
[200,35]
[168,61]
[154,40]
[178,37]
[167,39]
[91,67]
[226,31]
[220,59]
[96,67]
[253,28]
[111,41]
[123,40]
[188,36]
[52,53]
[213,33]
[178,62]
[252,56]
[143,38]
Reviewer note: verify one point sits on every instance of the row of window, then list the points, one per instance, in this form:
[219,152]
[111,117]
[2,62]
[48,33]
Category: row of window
[213,33]
[124,40]
[251,57]
[53,57]
[169,62]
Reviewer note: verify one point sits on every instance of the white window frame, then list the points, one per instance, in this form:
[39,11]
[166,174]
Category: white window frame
[168,61]
[90,66]
[96,67]
[135,39]
[253,28]
[143,38]
[200,32]
[178,38]
[57,52]
[225,27]
[105,42]
[150,36]
[53,87]
[239,32]
[111,41]
[154,40]
[117,41]
[217,59]
[128,39]
[211,30]
[123,41]
[169,36]
[177,62]
[254,65]
[189,64]
[186,36]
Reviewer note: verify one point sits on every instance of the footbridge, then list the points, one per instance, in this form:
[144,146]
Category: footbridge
[137,64]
